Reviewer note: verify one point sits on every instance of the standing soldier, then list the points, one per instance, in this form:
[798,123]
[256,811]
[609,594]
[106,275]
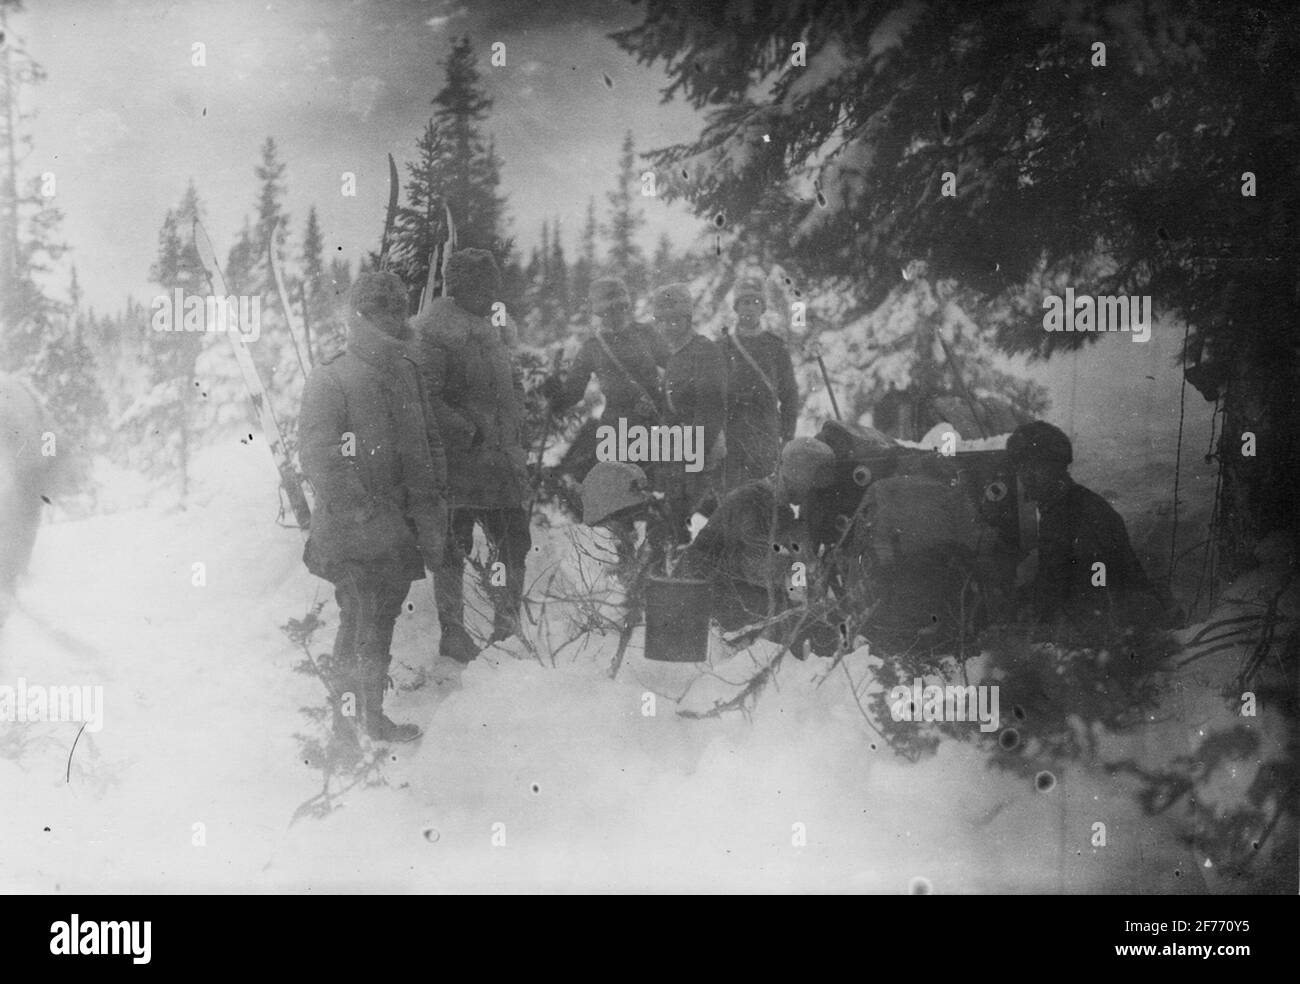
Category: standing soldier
[380,513]
[762,396]
[478,407]
[695,395]
[625,358]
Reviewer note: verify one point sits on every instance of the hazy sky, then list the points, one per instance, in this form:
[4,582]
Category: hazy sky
[125,120]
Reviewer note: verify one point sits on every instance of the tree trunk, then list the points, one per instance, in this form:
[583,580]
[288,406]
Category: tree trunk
[1261,493]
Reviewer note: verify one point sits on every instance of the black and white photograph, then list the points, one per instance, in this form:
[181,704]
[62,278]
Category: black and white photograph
[650,447]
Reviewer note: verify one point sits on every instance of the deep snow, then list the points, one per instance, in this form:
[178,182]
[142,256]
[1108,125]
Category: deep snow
[529,776]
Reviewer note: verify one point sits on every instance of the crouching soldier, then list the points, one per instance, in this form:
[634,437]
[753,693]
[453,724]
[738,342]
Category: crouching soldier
[1087,570]
[617,496]
[472,392]
[380,515]
[753,539]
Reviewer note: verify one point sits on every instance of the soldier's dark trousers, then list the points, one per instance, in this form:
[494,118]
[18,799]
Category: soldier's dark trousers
[369,603]
[368,608]
[509,541]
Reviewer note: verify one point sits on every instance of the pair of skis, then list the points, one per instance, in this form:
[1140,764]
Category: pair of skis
[434,282]
[290,479]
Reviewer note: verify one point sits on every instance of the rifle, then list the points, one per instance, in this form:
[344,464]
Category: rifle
[961,384]
[826,378]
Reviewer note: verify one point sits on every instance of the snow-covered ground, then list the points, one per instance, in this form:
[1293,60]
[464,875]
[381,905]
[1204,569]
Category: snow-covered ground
[530,776]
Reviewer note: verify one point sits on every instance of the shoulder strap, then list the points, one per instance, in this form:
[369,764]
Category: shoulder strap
[618,364]
[735,337]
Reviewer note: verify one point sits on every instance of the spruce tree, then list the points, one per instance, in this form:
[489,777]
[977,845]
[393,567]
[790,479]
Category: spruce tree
[28,221]
[470,176]
[320,316]
[584,268]
[421,225]
[625,220]
[1161,171]
[558,271]
[163,422]
[313,255]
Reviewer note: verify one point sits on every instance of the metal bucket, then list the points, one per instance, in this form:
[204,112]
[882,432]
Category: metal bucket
[677,620]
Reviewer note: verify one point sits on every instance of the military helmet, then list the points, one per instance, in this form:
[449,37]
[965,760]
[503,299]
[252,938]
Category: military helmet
[672,300]
[610,487]
[807,463]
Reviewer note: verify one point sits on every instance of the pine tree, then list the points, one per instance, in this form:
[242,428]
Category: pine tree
[544,252]
[39,333]
[248,274]
[470,176]
[625,219]
[242,260]
[847,171]
[584,268]
[458,170]
[420,228]
[665,267]
[313,255]
[15,71]
[270,209]
[558,270]
[28,222]
[321,318]
[548,300]
[246,270]
[534,293]
[163,421]
[74,304]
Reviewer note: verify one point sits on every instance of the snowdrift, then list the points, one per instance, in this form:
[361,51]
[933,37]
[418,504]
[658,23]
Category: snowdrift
[537,772]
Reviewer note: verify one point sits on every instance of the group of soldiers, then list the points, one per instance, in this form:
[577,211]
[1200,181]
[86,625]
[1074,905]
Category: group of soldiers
[740,394]
[412,437]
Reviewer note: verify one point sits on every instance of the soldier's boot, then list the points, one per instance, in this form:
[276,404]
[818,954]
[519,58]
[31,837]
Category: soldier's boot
[454,642]
[507,604]
[339,671]
[373,674]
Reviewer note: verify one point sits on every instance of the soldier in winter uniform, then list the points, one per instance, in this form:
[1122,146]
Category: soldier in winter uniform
[380,477]
[1078,529]
[625,358]
[762,396]
[695,395]
[753,538]
[478,406]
